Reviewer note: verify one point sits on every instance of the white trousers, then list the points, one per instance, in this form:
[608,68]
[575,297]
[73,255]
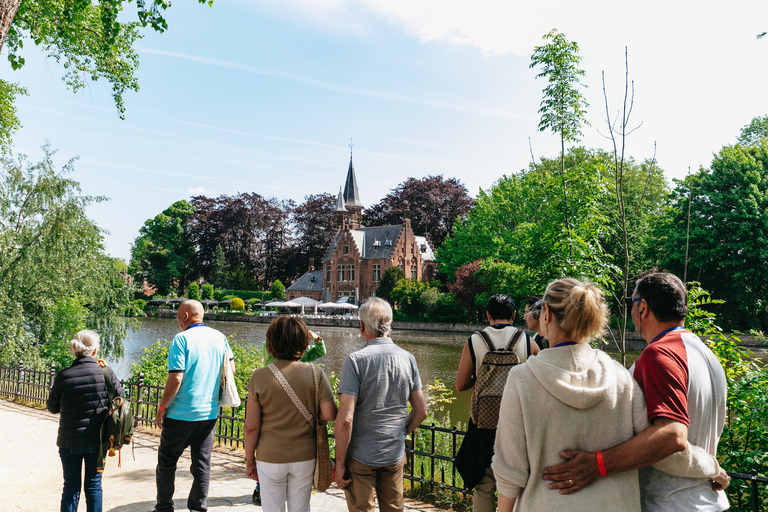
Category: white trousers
[281,483]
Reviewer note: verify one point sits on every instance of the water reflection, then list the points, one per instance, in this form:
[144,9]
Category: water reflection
[437,354]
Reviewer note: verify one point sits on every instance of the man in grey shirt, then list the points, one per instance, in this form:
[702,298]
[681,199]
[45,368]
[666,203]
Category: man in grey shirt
[375,386]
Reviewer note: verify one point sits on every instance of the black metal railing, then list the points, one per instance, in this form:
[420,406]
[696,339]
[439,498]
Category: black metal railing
[427,447]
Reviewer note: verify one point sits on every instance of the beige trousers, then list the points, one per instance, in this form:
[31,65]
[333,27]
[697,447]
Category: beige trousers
[385,481]
[484,497]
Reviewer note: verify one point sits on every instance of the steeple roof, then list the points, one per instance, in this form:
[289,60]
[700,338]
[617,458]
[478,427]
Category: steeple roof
[340,206]
[351,194]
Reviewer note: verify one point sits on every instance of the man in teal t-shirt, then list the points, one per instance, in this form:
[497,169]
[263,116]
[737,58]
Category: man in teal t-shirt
[189,407]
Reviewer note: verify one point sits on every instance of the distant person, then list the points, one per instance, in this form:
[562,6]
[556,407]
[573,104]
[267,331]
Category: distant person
[80,394]
[477,448]
[280,446]
[685,388]
[533,305]
[572,395]
[376,385]
[315,350]
[190,405]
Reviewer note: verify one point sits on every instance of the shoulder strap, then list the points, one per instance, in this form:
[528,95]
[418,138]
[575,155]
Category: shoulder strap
[513,341]
[108,382]
[487,340]
[528,339]
[290,392]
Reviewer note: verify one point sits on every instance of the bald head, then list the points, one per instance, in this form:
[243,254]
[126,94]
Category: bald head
[190,312]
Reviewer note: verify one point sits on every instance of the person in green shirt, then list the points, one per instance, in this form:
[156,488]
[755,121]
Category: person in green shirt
[314,351]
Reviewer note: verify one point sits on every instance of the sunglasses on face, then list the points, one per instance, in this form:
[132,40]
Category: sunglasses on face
[631,300]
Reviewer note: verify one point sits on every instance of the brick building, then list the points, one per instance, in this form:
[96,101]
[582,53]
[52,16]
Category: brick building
[358,256]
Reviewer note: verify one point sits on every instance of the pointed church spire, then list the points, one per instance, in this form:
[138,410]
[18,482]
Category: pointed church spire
[351,194]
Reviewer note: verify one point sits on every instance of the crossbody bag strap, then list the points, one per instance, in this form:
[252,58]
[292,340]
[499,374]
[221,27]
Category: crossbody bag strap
[290,392]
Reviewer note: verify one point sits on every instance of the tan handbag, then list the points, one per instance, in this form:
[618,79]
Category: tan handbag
[323,466]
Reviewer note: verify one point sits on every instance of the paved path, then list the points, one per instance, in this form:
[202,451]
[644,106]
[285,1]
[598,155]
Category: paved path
[31,480]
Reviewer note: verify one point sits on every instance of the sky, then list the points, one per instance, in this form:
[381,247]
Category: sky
[265,96]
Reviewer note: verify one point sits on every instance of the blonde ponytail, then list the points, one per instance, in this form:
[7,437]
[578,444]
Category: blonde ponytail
[579,308]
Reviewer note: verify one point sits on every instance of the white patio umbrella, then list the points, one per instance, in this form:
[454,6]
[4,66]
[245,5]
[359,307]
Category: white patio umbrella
[283,304]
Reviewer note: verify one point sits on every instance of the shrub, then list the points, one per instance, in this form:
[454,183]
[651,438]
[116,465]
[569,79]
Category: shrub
[193,292]
[278,290]
[253,302]
[237,304]
[207,291]
[141,304]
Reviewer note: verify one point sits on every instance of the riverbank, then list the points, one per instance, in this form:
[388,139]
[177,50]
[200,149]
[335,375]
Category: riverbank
[633,339]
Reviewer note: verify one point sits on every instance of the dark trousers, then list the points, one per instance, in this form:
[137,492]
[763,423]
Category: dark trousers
[72,460]
[175,437]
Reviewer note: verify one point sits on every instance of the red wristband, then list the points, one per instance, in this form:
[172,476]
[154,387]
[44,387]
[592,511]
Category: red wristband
[161,407]
[601,464]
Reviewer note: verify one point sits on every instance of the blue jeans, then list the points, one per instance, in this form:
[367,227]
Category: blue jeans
[72,460]
[176,436]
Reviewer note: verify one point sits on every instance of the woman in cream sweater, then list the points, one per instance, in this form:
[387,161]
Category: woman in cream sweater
[574,396]
[280,445]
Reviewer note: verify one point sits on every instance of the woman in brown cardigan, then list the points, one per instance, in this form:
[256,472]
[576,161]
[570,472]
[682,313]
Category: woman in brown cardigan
[280,445]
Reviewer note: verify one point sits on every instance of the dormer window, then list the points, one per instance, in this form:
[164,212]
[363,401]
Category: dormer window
[423,247]
[376,245]
[387,243]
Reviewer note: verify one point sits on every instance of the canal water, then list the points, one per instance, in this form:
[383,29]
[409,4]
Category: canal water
[437,354]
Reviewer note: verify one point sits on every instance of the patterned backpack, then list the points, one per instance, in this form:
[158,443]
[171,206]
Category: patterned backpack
[490,382]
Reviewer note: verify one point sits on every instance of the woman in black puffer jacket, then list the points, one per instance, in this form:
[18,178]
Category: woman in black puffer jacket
[79,393]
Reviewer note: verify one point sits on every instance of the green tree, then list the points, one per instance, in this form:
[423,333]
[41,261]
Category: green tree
[406,295]
[754,132]
[728,232]
[163,252]
[389,280]
[193,291]
[207,291]
[563,107]
[278,290]
[219,269]
[91,39]
[520,220]
[54,275]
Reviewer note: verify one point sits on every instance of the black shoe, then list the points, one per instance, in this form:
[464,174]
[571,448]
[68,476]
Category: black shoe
[256,497]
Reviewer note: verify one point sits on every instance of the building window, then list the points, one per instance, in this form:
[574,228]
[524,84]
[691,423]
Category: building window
[350,272]
[328,275]
[376,272]
[414,272]
[373,293]
[346,249]
[292,297]
[340,276]
[402,267]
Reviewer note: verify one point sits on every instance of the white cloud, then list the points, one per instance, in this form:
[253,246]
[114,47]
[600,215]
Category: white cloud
[199,191]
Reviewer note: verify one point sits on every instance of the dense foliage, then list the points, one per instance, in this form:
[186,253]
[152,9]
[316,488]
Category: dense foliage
[54,276]
[728,232]
[162,254]
[433,204]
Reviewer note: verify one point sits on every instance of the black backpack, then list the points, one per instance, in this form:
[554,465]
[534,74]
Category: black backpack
[117,429]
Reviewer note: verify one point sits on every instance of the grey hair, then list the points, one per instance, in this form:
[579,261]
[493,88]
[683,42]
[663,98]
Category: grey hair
[376,315]
[85,343]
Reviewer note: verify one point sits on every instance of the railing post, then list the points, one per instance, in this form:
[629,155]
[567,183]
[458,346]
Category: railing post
[755,501]
[19,374]
[137,416]
[51,376]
